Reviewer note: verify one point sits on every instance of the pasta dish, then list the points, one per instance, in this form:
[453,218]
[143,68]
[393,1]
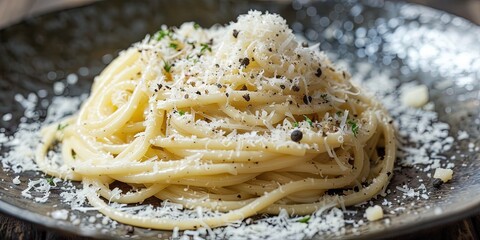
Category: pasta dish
[241,119]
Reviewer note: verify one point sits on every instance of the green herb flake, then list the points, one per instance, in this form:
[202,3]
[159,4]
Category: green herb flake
[295,124]
[162,34]
[339,113]
[309,121]
[181,112]
[354,127]
[196,26]
[205,47]
[304,220]
[60,126]
[50,181]
[191,44]
[173,45]
[167,67]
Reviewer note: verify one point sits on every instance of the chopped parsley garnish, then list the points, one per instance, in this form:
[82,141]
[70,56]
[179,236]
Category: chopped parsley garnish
[304,220]
[191,44]
[205,47]
[167,67]
[173,45]
[196,26]
[354,126]
[309,121]
[163,33]
[60,126]
[295,124]
[50,181]
[181,112]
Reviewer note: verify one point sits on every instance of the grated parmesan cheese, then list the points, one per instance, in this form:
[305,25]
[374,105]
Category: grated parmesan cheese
[61,214]
[39,188]
[16,180]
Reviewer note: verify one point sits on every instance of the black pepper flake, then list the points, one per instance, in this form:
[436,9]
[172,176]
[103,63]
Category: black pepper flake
[307,99]
[239,196]
[244,61]
[244,88]
[319,72]
[219,85]
[282,86]
[130,229]
[226,94]
[295,88]
[389,173]
[186,96]
[437,182]
[304,44]
[296,135]
[246,97]
[198,93]
[216,65]
[235,33]
[270,49]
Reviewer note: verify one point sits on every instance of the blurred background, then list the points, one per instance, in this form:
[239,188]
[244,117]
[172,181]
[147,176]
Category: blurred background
[12,11]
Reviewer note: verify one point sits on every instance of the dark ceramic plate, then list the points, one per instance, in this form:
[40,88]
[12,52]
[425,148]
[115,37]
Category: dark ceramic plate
[412,43]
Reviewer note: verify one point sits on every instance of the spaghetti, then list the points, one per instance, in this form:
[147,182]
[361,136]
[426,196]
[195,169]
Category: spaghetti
[240,119]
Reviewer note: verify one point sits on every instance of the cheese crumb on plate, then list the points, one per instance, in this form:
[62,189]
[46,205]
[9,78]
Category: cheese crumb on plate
[444,174]
[415,97]
[374,213]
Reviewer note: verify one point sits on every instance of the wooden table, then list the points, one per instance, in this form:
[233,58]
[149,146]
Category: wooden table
[12,11]
[11,228]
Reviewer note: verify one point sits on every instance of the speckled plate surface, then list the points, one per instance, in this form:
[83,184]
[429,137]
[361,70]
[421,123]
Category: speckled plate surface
[409,42]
